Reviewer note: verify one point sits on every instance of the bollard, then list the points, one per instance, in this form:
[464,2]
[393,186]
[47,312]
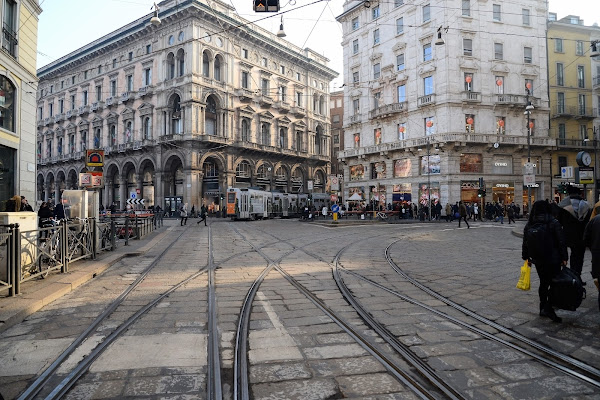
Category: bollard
[14,252]
[137,228]
[335,217]
[64,246]
[94,239]
[126,230]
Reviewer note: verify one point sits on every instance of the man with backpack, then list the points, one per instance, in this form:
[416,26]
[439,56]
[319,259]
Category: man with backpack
[573,213]
[544,245]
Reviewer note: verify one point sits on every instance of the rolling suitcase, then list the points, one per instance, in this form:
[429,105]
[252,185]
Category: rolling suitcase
[567,291]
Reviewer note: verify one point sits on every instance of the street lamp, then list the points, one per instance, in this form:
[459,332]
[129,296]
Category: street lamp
[594,142]
[528,109]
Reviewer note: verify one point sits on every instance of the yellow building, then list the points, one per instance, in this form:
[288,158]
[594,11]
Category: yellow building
[571,96]
[18,86]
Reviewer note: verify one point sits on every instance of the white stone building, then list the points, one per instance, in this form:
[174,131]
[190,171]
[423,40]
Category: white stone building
[426,121]
[182,110]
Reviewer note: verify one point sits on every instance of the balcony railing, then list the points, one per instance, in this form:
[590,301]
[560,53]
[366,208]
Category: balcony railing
[282,106]
[596,81]
[70,114]
[471,96]
[110,101]
[126,96]
[83,110]
[426,100]
[265,101]
[144,91]
[299,112]
[97,105]
[9,40]
[388,109]
[59,117]
[507,99]
[47,121]
[354,119]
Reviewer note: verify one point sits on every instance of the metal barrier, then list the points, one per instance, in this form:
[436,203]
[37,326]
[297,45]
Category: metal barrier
[28,255]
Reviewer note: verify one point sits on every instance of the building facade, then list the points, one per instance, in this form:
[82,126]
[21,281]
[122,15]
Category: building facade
[336,111]
[185,109]
[18,85]
[573,104]
[435,101]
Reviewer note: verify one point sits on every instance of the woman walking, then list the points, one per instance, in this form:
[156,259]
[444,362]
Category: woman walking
[545,246]
[183,213]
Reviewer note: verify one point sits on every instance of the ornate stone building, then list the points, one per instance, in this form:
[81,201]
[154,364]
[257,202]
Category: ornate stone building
[185,109]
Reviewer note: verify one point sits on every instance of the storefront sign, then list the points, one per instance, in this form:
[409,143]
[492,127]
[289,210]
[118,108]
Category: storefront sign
[502,185]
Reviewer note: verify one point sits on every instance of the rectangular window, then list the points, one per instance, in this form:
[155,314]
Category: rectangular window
[468,47]
[9,42]
[500,125]
[562,161]
[427,52]
[298,99]
[355,46]
[84,98]
[282,93]
[264,62]
[398,3]
[114,63]
[85,74]
[468,79]
[98,92]
[51,110]
[581,101]
[399,25]
[375,13]
[282,69]
[356,106]
[579,48]
[400,62]
[130,56]
[61,106]
[497,12]
[498,51]
[560,103]
[51,88]
[466,8]
[558,45]
[99,69]
[529,86]
[525,15]
[562,135]
[72,102]
[375,37]
[355,24]
[245,79]
[355,77]
[40,113]
[402,131]
[264,85]
[376,71]
[527,55]
[426,13]
[113,87]
[560,74]
[580,76]
[129,80]
[62,84]
[147,77]
[72,80]
[245,53]
[376,98]
[148,48]
[583,133]
[428,85]
[471,163]
[469,123]
[401,93]
[377,135]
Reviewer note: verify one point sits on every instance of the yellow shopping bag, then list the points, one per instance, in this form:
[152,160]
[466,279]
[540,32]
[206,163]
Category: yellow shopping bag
[525,278]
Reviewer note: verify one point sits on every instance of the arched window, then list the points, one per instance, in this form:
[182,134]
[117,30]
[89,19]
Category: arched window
[245,130]
[243,170]
[205,65]
[113,135]
[319,140]
[176,117]
[315,103]
[217,69]
[59,148]
[170,66]
[180,62]
[72,144]
[147,128]
[7,110]
[97,138]
[322,105]
[265,134]
[210,116]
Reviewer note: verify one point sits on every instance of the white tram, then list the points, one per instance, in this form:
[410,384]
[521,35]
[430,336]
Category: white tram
[245,203]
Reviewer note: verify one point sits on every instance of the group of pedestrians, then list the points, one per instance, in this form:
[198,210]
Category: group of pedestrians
[184,213]
[570,224]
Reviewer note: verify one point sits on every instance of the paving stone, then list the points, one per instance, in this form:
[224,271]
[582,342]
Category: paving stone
[369,384]
[313,389]
[346,366]
[334,351]
[278,372]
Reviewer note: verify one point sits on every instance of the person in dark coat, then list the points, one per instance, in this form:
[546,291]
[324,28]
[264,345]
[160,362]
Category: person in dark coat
[203,211]
[44,218]
[462,214]
[25,206]
[591,238]
[59,211]
[573,213]
[510,211]
[541,211]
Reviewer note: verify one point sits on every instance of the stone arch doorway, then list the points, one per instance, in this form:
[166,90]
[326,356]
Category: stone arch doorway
[281,179]
[148,189]
[73,180]
[130,181]
[243,175]
[111,186]
[173,179]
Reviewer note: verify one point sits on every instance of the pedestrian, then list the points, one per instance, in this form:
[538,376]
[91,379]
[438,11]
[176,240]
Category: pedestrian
[462,214]
[59,211]
[13,204]
[324,212]
[449,215]
[573,213]
[193,211]
[591,237]
[510,211]
[544,245]
[499,213]
[25,206]
[44,218]
[476,212]
[203,211]
[183,214]
[113,208]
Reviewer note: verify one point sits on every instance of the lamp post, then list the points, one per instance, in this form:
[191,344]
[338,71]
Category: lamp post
[594,143]
[528,109]
[427,149]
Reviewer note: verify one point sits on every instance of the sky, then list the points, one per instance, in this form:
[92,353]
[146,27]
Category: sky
[66,25]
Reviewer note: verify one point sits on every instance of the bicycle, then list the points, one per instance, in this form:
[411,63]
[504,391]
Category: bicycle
[48,254]
[382,216]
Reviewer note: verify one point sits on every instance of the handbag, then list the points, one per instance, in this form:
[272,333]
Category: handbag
[525,278]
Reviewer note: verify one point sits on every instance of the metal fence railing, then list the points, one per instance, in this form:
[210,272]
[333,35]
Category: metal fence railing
[27,255]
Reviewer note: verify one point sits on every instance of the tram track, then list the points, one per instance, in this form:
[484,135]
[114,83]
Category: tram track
[76,373]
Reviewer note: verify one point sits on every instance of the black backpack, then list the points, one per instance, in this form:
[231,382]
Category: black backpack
[567,291]
[540,242]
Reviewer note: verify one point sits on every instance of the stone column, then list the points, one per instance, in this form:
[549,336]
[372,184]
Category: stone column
[107,200]
[123,192]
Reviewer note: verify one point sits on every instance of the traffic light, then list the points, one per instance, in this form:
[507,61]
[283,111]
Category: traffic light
[481,193]
[266,5]
[562,188]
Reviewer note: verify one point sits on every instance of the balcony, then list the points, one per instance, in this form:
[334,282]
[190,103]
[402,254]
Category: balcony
[244,95]
[427,100]
[282,106]
[471,97]
[584,113]
[560,111]
[509,100]
[299,112]
[110,101]
[78,155]
[58,118]
[388,110]
[9,40]
[265,101]
[96,106]
[145,91]
[355,119]
[83,110]
[596,82]
[40,123]
[126,96]
[70,114]
[47,121]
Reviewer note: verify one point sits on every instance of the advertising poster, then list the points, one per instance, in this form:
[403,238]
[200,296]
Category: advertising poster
[431,166]
[357,172]
[402,168]
[424,193]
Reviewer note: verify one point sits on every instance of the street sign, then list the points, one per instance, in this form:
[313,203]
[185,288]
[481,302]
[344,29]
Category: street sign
[333,198]
[132,195]
[335,208]
[566,172]
[528,180]
[135,201]
[138,191]
[310,184]
[529,168]
[94,158]
[584,175]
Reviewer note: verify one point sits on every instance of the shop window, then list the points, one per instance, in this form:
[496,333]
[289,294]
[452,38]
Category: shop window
[471,163]
[469,123]
[7,111]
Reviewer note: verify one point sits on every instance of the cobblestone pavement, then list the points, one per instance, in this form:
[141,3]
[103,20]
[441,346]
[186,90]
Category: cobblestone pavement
[295,350]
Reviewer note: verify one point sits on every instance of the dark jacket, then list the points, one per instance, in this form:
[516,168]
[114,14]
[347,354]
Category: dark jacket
[558,249]
[44,213]
[573,213]
[591,235]
[462,210]
[59,211]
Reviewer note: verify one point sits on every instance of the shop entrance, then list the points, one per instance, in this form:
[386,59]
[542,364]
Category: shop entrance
[172,205]
[503,193]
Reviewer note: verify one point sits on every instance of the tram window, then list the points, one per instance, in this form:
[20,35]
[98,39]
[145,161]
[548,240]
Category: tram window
[231,197]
